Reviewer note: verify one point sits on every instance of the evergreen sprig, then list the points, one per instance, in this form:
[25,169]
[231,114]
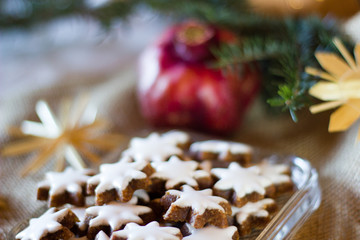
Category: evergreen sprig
[283,47]
[284,54]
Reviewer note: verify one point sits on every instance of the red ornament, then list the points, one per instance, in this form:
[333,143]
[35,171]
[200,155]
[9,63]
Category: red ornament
[178,88]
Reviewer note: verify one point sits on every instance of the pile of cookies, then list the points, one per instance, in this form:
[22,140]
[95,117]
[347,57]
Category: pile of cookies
[164,187]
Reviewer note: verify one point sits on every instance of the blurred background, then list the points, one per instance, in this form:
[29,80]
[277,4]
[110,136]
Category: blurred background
[43,41]
[35,53]
[55,48]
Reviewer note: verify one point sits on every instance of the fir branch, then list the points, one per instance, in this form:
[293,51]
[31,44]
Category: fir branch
[219,12]
[307,35]
[248,50]
[285,54]
[284,47]
[32,12]
[292,91]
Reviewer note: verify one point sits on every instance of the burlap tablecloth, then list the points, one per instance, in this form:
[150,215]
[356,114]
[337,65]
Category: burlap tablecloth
[336,156]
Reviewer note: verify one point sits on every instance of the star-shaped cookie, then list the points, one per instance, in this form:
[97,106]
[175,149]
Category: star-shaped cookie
[204,207]
[53,224]
[177,172]
[240,185]
[133,231]
[253,214]
[68,186]
[211,233]
[113,216]
[157,147]
[118,181]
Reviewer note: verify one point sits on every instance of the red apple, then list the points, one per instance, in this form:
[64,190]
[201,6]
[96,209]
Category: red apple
[178,88]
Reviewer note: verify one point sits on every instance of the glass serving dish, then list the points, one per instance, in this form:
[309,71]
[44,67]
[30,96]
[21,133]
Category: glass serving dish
[294,207]
[297,207]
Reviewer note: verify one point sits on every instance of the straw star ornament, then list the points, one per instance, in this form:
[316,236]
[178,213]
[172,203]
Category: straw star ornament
[68,137]
[340,87]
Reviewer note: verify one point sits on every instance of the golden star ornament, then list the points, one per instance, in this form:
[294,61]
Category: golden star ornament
[75,134]
[339,87]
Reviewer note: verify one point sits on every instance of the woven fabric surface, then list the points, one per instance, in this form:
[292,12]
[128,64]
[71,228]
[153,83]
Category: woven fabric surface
[335,156]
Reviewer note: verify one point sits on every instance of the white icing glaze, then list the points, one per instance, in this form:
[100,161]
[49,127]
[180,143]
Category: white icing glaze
[142,194]
[151,231]
[256,209]
[117,175]
[211,233]
[101,236]
[80,213]
[155,147]
[242,180]
[116,214]
[176,171]
[274,172]
[199,201]
[220,147]
[69,180]
[46,223]
[176,137]
[206,165]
